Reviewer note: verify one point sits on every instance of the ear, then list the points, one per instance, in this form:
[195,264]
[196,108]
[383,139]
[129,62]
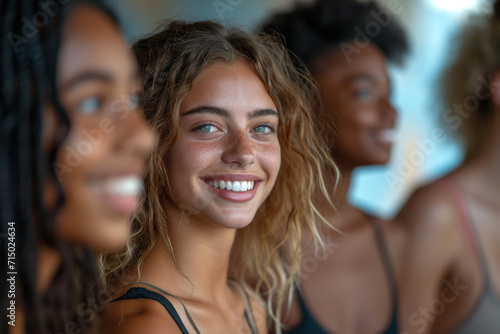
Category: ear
[495,89]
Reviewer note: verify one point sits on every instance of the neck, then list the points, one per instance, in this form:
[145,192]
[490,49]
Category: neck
[339,197]
[201,252]
[49,261]
[487,161]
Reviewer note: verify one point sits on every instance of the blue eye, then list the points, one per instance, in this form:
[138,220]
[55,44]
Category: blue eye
[265,129]
[262,129]
[207,128]
[90,105]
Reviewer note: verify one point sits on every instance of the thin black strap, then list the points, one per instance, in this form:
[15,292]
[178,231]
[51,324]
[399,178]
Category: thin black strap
[300,299]
[139,293]
[248,308]
[168,294]
[386,259]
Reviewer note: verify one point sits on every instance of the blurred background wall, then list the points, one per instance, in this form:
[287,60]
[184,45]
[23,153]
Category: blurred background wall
[418,156]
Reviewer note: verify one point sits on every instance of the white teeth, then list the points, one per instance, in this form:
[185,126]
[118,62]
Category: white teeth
[236,186]
[127,186]
[387,135]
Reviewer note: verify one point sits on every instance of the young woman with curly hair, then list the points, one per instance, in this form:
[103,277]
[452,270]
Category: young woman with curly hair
[228,186]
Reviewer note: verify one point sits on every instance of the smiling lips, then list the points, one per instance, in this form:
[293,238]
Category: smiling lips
[385,136]
[121,194]
[232,186]
[234,190]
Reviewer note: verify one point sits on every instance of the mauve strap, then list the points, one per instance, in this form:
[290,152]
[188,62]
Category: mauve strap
[450,187]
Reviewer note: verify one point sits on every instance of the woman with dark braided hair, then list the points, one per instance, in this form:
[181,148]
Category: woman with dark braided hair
[451,281]
[72,151]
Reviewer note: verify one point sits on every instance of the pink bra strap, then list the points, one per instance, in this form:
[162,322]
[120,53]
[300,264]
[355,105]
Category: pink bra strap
[451,188]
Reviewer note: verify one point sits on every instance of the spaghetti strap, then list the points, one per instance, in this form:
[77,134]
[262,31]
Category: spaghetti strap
[452,189]
[168,294]
[386,259]
[389,269]
[484,316]
[248,307]
[139,293]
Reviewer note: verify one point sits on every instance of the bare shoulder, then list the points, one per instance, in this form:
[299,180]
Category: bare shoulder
[137,316]
[429,207]
[430,221]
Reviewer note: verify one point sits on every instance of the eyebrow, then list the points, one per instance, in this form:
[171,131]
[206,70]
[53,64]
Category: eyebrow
[88,76]
[95,75]
[225,113]
[363,77]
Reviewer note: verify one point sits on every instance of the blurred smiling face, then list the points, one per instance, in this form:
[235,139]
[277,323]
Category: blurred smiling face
[227,156]
[100,163]
[355,97]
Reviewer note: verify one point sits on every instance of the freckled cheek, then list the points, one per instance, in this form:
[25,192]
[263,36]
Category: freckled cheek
[189,158]
[270,158]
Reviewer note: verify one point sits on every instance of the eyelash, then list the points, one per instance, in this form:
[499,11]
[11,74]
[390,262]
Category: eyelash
[197,128]
[271,127]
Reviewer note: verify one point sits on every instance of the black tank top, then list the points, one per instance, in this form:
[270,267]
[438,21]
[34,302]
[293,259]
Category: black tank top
[139,293]
[309,325]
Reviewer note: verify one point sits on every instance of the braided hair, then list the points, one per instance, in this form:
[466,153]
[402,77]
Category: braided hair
[31,37]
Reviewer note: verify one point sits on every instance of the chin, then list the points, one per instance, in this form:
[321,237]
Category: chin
[233,221]
[108,243]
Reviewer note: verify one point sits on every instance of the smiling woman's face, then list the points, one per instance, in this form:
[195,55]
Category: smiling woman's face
[356,97]
[101,162]
[227,156]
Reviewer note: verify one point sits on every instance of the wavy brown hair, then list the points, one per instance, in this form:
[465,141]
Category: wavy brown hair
[268,251]
[465,82]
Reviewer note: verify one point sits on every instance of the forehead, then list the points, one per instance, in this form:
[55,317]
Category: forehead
[337,64]
[92,41]
[229,84]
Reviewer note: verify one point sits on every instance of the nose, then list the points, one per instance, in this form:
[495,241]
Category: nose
[239,152]
[136,136]
[389,113]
